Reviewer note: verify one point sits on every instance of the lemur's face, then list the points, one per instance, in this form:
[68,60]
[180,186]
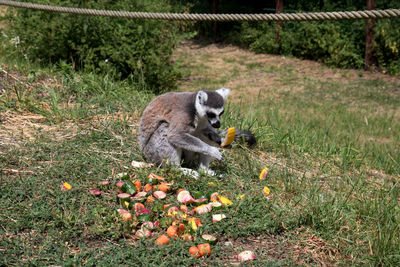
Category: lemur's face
[213,116]
[210,105]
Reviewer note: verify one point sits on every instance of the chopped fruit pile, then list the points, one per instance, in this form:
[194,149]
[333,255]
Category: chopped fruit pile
[151,208]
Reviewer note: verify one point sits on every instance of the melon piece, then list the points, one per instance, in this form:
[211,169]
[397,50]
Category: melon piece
[209,239]
[216,205]
[159,194]
[230,136]
[140,196]
[246,255]
[95,192]
[124,196]
[203,209]
[218,217]
[141,233]
[185,197]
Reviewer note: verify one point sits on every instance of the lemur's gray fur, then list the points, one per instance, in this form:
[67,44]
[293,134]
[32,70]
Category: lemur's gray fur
[182,125]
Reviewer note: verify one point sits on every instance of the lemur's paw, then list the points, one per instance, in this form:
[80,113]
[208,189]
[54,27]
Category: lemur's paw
[189,172]
[207,171]
[215,153]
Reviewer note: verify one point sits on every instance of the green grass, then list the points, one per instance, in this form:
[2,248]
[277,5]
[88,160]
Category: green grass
[332,150]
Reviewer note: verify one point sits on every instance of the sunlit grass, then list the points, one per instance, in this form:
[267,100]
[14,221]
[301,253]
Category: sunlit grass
[331,146]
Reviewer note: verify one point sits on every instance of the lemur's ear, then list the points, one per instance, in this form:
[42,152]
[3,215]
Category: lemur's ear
[224,92]
[202,97]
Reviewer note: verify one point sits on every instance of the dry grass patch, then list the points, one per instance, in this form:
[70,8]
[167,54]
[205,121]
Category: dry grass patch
[249,74]
[27,126]
[301,246]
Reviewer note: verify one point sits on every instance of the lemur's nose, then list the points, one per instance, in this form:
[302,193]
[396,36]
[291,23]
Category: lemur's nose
[216,124]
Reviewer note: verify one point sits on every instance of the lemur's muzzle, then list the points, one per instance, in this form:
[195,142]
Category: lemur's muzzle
[216,124]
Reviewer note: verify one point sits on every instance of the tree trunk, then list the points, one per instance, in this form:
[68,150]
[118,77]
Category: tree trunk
[279,24]
[369,38]
[215,11]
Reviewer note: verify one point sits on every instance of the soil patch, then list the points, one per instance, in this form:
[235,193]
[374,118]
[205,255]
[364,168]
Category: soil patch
[251,74]
[300,246]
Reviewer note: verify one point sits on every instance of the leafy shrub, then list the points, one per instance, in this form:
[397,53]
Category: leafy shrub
[337,43]
[323,42]
[387,45]
[120,47]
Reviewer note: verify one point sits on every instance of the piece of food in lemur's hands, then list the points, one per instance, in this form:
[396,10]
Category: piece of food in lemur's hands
[229,137]
[179,125]
[241,136]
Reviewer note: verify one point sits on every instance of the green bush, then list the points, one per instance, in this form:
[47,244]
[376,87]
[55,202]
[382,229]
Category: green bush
[387,45]
[336,43]
[323,42]
[120,47]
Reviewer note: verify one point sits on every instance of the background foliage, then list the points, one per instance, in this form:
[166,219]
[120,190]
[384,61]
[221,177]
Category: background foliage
[142,49]
[336,43]
[120,47]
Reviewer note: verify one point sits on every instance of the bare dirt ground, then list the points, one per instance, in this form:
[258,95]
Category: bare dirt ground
[241,69]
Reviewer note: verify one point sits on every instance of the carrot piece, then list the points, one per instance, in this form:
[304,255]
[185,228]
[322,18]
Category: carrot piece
[172,231]
[162,187]
[183,208]
[150,199]
[147,187]
[137,184]
[204,249]
[162,240]
[194,251]
[154,176]
[181,229]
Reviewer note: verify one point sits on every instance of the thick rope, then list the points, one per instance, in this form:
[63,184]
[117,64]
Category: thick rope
[367,14]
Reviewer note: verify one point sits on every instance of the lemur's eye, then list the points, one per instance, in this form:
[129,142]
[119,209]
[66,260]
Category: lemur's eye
[210,115]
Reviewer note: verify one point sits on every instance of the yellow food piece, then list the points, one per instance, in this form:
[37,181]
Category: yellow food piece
[230,136]
[66,186]
[192,223]
[225,201]
[266,191]
[263,173]
[211,183]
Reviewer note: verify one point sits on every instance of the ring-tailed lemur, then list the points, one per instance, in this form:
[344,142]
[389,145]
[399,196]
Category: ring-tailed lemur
[176,125]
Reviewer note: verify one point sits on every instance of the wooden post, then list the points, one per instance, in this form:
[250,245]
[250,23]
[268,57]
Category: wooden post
[215,11]
[279,24]
[369,38]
